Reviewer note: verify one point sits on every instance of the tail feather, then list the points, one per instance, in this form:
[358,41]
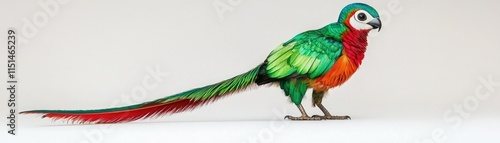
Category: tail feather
[187,100]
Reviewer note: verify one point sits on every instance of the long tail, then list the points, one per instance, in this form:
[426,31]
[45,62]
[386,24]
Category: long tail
[187,100]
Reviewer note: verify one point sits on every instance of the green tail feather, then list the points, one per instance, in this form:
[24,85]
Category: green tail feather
[203,95]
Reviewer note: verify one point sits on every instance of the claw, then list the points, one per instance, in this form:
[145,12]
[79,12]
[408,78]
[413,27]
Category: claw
[301,118]
[332,117]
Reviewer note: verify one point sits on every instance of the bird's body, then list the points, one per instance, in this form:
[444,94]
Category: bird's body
[317,59]
[342,49]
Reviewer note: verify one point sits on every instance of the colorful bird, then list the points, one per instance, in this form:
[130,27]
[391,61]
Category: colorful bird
[318,59]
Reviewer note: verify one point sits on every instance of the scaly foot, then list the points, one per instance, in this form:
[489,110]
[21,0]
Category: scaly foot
[329,117]
[301,118]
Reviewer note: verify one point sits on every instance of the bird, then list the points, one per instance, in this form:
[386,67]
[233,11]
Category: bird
[319,59]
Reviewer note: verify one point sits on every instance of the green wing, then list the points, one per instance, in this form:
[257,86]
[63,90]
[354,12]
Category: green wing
[310,56]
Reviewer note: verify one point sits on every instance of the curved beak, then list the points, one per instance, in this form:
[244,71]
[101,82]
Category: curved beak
[376,24]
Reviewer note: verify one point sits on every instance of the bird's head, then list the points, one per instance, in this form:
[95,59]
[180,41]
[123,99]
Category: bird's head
[360,16]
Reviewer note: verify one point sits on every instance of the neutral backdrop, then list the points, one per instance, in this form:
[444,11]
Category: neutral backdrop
[428,59]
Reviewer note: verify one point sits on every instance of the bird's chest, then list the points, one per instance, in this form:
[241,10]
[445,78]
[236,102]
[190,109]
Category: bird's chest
[344,67]
[354,47]
[341,71]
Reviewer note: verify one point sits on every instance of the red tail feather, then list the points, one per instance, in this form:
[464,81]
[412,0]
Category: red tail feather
[146,111]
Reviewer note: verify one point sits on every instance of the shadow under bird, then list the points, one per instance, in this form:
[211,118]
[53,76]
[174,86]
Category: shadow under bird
[318,59]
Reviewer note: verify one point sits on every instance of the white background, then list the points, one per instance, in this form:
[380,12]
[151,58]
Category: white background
[428,58]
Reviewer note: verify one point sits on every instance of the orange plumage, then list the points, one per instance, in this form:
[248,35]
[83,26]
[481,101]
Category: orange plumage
[341,71]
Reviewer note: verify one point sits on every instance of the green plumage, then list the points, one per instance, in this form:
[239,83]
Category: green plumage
[310,54]
[296,89]
[203,93]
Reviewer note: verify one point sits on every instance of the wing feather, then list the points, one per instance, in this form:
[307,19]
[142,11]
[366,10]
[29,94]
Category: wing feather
[313,58]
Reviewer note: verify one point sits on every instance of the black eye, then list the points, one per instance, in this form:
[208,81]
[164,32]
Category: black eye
[361,16]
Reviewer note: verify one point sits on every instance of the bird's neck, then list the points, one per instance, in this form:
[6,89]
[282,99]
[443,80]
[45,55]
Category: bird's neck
[355,42]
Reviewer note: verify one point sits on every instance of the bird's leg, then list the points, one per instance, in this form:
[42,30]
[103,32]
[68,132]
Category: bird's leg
[304,115]
[317,99]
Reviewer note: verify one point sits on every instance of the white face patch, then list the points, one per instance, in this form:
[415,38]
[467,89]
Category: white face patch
[360,19]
